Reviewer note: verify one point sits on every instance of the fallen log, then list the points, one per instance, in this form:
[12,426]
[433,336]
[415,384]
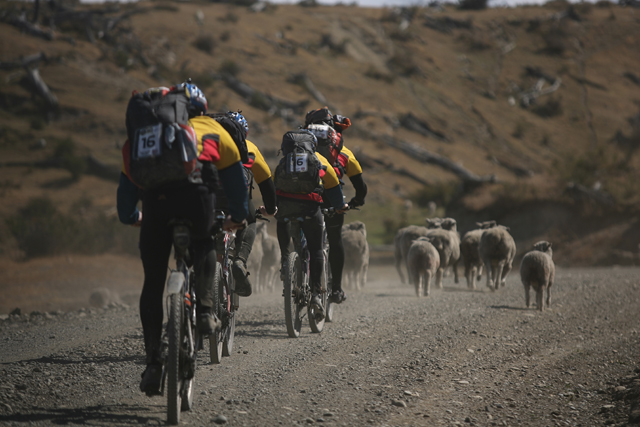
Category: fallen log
[371,162]
[24,25]
[25,61]
[41,89]
[414,124]
[303,80]
[275,106]
[426,156]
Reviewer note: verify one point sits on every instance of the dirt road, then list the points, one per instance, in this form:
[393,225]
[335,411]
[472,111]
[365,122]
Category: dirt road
[457,357]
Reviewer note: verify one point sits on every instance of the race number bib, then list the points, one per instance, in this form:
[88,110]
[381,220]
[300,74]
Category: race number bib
[148,141]
[301,162]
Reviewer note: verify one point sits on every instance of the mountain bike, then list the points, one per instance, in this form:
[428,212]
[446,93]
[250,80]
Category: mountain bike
[297,291]
[226,302]
[329,307]
[181,339]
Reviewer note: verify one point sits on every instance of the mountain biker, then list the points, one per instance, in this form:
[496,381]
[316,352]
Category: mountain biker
[192,200]
[260,173]
[345,163]
[307,206]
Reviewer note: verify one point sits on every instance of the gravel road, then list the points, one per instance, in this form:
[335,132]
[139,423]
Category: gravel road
[457,357]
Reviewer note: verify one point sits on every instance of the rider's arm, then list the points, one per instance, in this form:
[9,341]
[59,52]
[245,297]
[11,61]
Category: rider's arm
[332,187]
[235,188]
[262,175]
[354,171]
[127,201]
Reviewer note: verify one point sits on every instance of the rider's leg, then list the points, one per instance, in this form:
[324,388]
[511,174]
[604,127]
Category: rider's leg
[336,249]
[204,264]
[312,228]
[244,244]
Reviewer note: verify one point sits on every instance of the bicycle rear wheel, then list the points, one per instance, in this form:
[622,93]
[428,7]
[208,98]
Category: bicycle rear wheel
[174,327]
[328,283]
[230,330]
[292,289]
[216,340]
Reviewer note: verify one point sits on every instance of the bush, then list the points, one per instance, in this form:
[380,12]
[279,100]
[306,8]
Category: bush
[472,4]
[230,67]
[205,43]
[40,229]
[65,153]
[551,108]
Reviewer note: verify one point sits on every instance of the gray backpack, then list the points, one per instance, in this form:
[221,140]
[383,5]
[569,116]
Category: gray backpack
[299,170]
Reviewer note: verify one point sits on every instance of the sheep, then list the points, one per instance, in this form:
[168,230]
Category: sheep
[423,261]
[469,252]
[402,243]
[254,263]
[497,249]
[270,268]
[447,243]
[356,254]
[537,270]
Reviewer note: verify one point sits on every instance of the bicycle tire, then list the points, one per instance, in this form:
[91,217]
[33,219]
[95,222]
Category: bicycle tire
[174,329]
[329,307]
[317,325]
[292,279]
[215,340]
[227,343]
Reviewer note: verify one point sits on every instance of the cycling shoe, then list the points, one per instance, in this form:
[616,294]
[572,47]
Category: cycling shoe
[240,273]
[208,324]
[338,296]
[151,380]
[316,304]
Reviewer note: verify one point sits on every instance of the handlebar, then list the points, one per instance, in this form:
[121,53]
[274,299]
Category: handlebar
[259,215]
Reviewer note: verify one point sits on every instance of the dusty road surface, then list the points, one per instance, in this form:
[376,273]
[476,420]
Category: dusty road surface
[457,357]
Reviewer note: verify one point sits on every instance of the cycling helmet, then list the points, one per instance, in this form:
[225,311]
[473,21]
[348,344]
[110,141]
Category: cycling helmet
[197,100]
[318,116]
[240,119]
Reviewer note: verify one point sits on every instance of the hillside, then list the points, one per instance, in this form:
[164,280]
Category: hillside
[537,97]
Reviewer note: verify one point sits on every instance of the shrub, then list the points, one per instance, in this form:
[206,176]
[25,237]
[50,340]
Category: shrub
[205,43]
[472,4]
[374,73]
[40,229]
[551,108]
[229,67]
[65,153]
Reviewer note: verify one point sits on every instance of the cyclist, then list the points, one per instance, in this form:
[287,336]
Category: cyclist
[193,200]
[258,171]
[344,163]
[307,206]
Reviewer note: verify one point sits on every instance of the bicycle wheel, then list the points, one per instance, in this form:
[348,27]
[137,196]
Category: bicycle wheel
[174,329]
[230,330]
[328,282]
[216,340]
[316,320]
[292,279]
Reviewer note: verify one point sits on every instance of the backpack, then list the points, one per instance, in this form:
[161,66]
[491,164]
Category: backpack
[163,147]
[236,131]
[299,169]
[329,141]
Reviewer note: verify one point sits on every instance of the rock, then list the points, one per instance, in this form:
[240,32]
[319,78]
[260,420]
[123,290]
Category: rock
[399,403]
[220,419]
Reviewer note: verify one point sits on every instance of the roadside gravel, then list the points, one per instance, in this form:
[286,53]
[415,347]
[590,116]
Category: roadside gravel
[457,357]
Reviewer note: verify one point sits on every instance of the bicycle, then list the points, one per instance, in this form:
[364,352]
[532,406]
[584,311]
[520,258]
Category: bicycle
[226,302]
[181,339]
[297,292]
[329,307]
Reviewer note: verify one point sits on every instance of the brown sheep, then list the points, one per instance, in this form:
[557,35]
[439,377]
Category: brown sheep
[497,249]
[537,270]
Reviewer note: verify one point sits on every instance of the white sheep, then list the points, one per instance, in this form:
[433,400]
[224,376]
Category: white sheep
[423,261]
[469,252]
[270,267]
[447,242]
[537,270]
[497,249]
[356,254]
[403,240]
